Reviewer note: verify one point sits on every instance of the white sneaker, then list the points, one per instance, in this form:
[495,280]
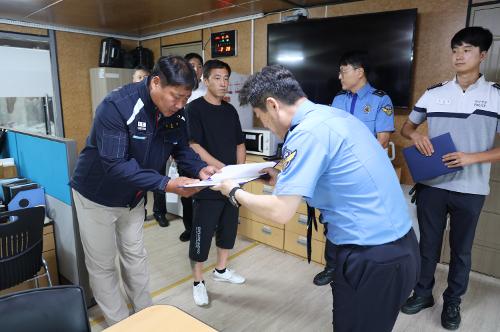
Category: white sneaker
[200,294]
[228,276]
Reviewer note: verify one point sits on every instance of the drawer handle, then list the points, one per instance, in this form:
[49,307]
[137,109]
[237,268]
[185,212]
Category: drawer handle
[268,190]
[302,241]
[267,230]
[302,219]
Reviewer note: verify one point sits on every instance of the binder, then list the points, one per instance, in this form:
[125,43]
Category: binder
[425,168]
[27,198]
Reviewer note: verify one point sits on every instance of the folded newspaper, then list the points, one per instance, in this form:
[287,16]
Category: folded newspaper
[241,173]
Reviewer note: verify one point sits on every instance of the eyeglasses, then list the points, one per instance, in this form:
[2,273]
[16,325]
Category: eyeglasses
[342,72]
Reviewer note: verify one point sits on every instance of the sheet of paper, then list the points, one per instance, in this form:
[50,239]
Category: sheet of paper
[240,173]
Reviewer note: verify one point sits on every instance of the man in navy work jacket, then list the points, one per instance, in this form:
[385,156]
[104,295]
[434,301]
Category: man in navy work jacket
[135,130]
[351,181]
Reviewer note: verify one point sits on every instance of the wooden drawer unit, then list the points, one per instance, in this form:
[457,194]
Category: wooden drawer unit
[244,212]
[297,244]
[261,189]
[303,209]
[298,225]
[266,234]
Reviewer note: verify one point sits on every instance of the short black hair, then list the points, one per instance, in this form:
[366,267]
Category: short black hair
[215,64]
[190,56]
[357,59]
[174,70]
[476,36]
[273,81]
[143,68]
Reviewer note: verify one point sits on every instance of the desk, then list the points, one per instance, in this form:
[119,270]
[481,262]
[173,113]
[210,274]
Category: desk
[164,318]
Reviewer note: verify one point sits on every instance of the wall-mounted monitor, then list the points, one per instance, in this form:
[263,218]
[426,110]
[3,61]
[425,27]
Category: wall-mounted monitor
[311,49]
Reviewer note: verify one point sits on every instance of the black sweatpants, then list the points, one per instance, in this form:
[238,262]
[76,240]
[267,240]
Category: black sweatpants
[209,216]
[433,207]
[372,283]
[187,212]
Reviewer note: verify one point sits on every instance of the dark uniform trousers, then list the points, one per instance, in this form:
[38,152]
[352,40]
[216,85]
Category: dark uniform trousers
[372,283]
[433,206]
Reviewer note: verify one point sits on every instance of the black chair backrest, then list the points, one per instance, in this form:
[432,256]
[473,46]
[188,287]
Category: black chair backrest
[20,245]
[52,309]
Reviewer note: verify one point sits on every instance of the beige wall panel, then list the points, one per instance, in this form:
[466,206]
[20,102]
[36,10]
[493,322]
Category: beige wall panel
[317,12]
[153,45]
[129,44]
[260,40]
[241,62]
[20,29]
[76,54]
[181,38]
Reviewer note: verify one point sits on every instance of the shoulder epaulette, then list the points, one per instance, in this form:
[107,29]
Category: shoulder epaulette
[496,85]
[341,92]
[437,85]
[379,93]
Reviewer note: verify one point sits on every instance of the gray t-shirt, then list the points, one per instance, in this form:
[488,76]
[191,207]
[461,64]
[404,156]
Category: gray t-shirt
[472,118]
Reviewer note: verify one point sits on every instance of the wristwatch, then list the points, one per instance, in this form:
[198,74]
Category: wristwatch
[232,197]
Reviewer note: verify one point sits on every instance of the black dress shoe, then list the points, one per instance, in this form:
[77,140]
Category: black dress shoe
[324,277]
[185,236]
[161,219]
[450,317]
[416,303]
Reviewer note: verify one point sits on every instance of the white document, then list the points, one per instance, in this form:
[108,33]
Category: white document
[241,173]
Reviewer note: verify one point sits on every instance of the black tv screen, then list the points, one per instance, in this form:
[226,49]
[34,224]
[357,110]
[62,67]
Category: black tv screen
[311,49]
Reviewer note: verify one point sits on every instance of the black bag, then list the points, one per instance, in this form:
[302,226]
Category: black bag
[128,59]
[143,57]
[111,53]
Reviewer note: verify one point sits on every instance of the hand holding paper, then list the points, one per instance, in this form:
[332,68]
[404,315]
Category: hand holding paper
[241,173]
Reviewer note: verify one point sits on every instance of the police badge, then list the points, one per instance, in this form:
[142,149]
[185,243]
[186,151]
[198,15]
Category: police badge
[367,109]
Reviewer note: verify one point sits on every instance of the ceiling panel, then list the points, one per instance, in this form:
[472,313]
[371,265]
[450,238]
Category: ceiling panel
[200,19]
[140,18]
[18,9]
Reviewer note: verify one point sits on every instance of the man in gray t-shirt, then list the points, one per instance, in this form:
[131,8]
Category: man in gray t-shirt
[467,107]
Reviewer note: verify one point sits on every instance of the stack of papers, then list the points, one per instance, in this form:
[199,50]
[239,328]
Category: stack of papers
[241,173]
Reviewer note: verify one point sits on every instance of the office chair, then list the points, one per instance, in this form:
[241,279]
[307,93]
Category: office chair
[50,309]
[21,243]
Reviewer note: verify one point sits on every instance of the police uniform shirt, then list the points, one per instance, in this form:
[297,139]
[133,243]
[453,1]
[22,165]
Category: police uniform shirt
[373,107]
[347,176]
[472,118]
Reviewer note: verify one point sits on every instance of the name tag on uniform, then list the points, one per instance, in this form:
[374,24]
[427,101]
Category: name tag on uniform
[442,101]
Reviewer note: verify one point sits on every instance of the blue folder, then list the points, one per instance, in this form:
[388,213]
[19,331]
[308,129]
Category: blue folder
[425,168]
[27,198]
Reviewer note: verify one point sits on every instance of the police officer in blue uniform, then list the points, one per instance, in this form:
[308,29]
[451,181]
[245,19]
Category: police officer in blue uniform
[373,107]
[135,130]
[334,162]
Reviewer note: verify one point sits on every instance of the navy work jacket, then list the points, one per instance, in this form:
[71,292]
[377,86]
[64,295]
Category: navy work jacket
[127,149]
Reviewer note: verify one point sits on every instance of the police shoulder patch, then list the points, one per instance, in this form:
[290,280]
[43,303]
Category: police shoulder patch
[437,85]
[288,157]
[341,92]
[496,85]
[388,110]
[379,93]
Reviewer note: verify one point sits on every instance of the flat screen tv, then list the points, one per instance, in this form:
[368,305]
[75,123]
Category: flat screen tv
[311,49]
